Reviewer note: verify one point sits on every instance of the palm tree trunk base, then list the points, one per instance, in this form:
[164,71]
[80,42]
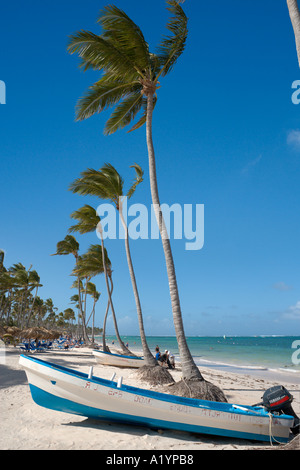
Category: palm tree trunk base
[200,389]
[155,375]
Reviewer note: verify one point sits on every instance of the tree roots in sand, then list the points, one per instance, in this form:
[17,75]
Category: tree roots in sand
[200,389]
[155,375]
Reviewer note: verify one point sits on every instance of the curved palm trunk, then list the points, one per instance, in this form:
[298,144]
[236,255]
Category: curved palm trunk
[20,319]
[189,369]
[104,345]
[123,347]
[31,309]
[84,332]
[148,357]
[92,315]
[82,311]
[295,19]
[93,322]
[84,324]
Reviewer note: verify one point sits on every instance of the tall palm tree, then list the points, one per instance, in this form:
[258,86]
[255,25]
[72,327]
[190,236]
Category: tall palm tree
[50,312]
[294,12]
[7,284]
[92,291]
[26,280]
[129,83]
[108,184]
[34,281]
[69,245]
[87,222]
[2,255]
[20,275]
[93,262]
[83,272]
[69,315]
[39,311]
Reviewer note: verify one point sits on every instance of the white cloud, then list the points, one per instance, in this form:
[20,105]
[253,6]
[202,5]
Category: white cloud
[282,286]
[293,313]
[251,164]
[293,138]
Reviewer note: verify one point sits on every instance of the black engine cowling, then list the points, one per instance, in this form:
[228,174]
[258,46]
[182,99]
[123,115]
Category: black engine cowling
[279,399]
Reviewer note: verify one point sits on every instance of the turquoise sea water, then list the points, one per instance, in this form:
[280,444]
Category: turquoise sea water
[249,353]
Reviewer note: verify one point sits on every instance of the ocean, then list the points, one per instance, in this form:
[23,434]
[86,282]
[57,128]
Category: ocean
[255,355]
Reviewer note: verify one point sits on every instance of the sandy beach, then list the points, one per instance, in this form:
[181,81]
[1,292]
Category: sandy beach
[26,426]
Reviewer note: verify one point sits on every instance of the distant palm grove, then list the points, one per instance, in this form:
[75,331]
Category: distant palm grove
[22,307]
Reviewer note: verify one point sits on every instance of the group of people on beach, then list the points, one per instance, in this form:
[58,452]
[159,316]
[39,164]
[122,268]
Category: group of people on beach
[166,359]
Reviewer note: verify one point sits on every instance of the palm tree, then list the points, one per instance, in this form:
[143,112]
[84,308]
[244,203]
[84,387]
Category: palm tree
[50,320]
[2,254]
[26,280]
[7,284]
[129,83]
[92,291]
[88,221]
[34,281]
[69,315]
[108,184]
[294,12]
[93,262]
[39,310]
[69,245]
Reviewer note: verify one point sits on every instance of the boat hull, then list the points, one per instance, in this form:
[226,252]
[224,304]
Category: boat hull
[58,388]
[110,359]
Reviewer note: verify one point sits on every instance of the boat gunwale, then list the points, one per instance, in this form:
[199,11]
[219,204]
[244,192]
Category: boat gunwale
[193,402]
[119,355]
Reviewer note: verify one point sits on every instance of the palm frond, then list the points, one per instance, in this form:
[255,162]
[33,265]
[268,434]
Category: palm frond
[101,95]
[77,283]
[87,220]
[105,183]
[171,47]
[67,246]
[143,118]
[112,180]
[124,113]
[90,263]
[139,177]
[1,258]
[84,187]
[99,53]
[125,35]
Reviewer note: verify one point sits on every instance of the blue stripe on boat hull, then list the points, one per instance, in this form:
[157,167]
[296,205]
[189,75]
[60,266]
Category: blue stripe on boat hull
[54,402]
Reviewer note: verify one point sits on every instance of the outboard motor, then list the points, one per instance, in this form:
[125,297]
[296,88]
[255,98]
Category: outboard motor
[279,399]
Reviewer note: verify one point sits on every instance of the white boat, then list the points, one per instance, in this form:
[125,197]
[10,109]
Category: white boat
[59,388]
[118,360]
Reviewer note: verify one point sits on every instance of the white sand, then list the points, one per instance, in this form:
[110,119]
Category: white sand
[25,425]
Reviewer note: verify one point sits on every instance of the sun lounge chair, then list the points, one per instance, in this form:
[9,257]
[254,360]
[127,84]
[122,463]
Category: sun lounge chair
[31,347]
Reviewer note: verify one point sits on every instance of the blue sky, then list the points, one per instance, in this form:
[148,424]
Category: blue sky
[226,135]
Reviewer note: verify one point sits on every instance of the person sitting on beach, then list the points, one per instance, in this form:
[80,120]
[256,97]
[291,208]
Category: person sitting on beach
[171,358]
[162,358]
[157,353]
